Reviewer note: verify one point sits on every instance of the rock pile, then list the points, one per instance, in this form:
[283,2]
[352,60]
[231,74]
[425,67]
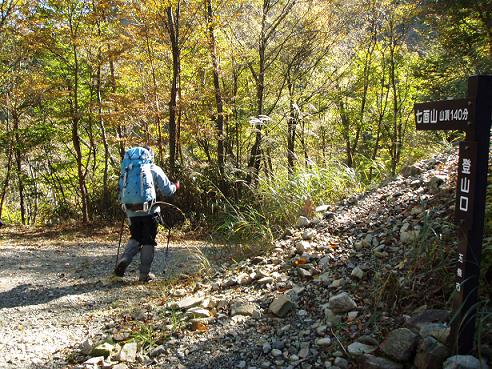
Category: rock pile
[336,292]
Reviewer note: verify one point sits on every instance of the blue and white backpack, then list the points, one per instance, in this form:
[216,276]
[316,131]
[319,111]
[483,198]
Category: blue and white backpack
[136,183]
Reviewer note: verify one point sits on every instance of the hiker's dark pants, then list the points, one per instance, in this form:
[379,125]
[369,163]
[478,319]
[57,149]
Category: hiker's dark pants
[143,231]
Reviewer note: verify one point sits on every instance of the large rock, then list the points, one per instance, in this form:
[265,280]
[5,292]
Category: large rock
[341,303]
[428,316]
[430,354]
[281,306]
[374,362]
[464,362]
[439,331]
[400,344]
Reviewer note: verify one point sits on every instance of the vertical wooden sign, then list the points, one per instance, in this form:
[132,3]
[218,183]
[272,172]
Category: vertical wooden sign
[472,115]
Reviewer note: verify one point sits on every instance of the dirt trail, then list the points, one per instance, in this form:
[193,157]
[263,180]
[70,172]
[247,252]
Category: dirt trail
[55,289]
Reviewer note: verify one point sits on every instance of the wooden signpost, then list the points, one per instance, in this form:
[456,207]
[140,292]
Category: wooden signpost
[472,115]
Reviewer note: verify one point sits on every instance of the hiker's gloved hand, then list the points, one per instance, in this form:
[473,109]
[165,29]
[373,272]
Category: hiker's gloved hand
[178,185]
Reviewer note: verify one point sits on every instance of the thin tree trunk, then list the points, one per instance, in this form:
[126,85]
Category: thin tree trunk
[155,89]
[8,170]
[173,30]
[219,120]
[75,116]
[119,129]
[18,161]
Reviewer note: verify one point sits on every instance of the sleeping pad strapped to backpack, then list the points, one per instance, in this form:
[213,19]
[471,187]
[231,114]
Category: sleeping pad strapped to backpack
[136,181]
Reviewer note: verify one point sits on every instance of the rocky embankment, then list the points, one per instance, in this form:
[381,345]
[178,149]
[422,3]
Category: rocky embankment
[361,284]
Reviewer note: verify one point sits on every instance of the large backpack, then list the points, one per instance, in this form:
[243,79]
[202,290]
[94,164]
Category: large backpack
[136,181]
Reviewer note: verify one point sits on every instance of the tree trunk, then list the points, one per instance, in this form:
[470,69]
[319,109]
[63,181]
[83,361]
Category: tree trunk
[119,129]
[18,161]
[7,170]
[173,30]
[346,134]
[292,121]
[219,120]
[75,117]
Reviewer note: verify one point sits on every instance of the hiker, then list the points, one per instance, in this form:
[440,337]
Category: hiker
[138,185]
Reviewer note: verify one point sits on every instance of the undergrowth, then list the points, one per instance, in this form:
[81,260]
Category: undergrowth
[264,212]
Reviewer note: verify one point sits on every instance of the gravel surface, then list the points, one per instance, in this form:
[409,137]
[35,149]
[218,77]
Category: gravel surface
[56,288]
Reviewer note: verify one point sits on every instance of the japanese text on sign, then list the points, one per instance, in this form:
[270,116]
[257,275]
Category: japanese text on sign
[464,185]
[446,114]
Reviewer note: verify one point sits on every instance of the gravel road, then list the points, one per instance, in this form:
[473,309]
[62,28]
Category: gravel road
[56,288]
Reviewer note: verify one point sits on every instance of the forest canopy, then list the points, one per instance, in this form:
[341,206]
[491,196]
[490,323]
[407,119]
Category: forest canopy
[259,107]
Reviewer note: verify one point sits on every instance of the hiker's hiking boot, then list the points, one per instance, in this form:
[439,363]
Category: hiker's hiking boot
[146,277]
[119,271]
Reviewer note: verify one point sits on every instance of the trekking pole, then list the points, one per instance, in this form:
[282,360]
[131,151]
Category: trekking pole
[167,250]
[167,223]
[119,242]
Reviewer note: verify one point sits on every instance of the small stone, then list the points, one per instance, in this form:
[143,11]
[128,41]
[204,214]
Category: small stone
[266,348]
[247,309]
[341,303]
[358,348]
[302,246]
[281,306]
[95,360]
[337,283]
[303,352]
[120,366]
[128,352]
[302,222]
[121,335]
[436,182]
[265,280]
[330,317]
[341,362]
[276,353]
[157,351]
[357,273]
[308,234]
[408,233]
[198,312]
[86,347]
[410,171]
[244,279]
[324,342]
[187,303]
[304,273]
[352,315]
[104,349]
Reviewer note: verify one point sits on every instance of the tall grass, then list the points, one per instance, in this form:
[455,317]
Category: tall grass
[262,214]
